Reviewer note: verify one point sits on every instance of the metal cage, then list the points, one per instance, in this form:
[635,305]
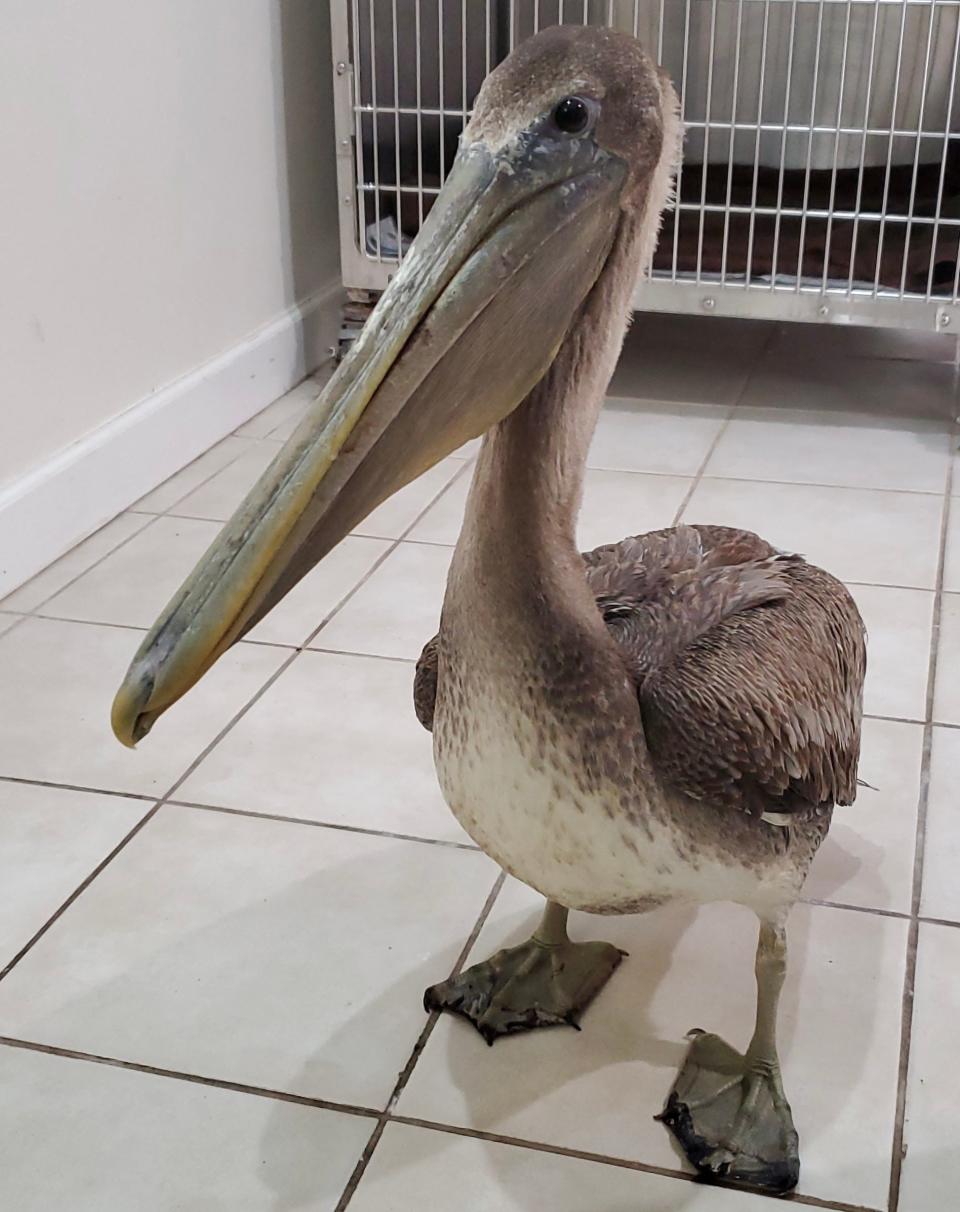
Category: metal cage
[821,174]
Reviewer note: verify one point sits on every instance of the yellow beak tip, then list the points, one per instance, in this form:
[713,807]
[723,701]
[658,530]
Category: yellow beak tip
[126,718]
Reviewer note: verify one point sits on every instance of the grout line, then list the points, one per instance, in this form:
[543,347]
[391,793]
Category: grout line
[695,482]
[360,1168]
[731,413]
[903,492]
[871,910]
[428,543]
[81,887]
[910,973]
[371,656]
[434,1017]
[336,825]
[387,1114]
[940,921]
[63,618]
[271,644]
[895,719]
[125,795]
[622,1163]
[195,1078]
[249,437]
[928,589]
[20,620]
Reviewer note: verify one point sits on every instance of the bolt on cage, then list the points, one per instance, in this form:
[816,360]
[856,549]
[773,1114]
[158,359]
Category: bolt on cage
[821,171]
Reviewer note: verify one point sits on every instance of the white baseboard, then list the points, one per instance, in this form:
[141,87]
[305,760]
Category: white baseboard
[56,505]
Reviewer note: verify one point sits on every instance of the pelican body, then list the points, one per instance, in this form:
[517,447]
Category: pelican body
[669,718]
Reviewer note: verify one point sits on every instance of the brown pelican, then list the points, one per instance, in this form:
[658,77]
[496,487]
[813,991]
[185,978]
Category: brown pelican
[671,718]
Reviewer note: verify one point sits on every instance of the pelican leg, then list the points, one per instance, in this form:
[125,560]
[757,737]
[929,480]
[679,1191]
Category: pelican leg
[546,981]
[728,1110]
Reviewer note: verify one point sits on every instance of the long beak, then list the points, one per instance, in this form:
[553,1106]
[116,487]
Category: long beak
[468,326]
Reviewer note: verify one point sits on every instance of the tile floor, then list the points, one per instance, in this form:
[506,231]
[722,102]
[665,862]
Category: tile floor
[212,950]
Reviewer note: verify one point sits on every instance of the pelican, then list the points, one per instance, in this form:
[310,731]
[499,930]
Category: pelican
[667,719]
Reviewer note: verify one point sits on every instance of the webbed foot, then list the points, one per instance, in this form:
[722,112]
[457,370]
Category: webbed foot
[537,984]
[732,1119]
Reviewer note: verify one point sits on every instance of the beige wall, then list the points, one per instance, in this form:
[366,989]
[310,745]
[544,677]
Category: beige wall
[167,189]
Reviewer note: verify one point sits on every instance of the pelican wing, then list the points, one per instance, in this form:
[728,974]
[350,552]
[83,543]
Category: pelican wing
[749,666]
[425,683]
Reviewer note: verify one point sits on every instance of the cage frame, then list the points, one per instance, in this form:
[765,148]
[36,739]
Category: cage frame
[864,305]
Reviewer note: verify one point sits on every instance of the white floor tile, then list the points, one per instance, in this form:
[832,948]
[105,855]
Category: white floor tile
[931,1169]
[305,607]
[57,682]
[255,951]
[442,522]
[898,622]
[334,739]
[288,409]
[598,1090]
[411,1166]
[178,486]
[89,1137]
[50,841]
[218,498]
[670,439]
[883,538]
[75,562]
[468,450]
[399,512]
[615,504]
[941,891]
[851,384]
[867,858]
[397,610]
[134,583]
[827,448]
[621,503]
[946,698]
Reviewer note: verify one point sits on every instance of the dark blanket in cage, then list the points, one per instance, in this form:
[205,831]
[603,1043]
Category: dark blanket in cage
[856,227]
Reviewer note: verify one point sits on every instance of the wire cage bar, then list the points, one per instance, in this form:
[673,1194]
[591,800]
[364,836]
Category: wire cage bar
[821,170]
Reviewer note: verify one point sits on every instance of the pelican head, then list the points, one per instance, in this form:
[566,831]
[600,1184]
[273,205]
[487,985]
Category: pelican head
[574,135]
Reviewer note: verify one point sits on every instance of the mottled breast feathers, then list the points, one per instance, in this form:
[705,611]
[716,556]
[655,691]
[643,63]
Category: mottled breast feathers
[749,666]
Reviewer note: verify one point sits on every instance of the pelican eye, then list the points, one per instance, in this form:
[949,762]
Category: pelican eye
[572,115]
